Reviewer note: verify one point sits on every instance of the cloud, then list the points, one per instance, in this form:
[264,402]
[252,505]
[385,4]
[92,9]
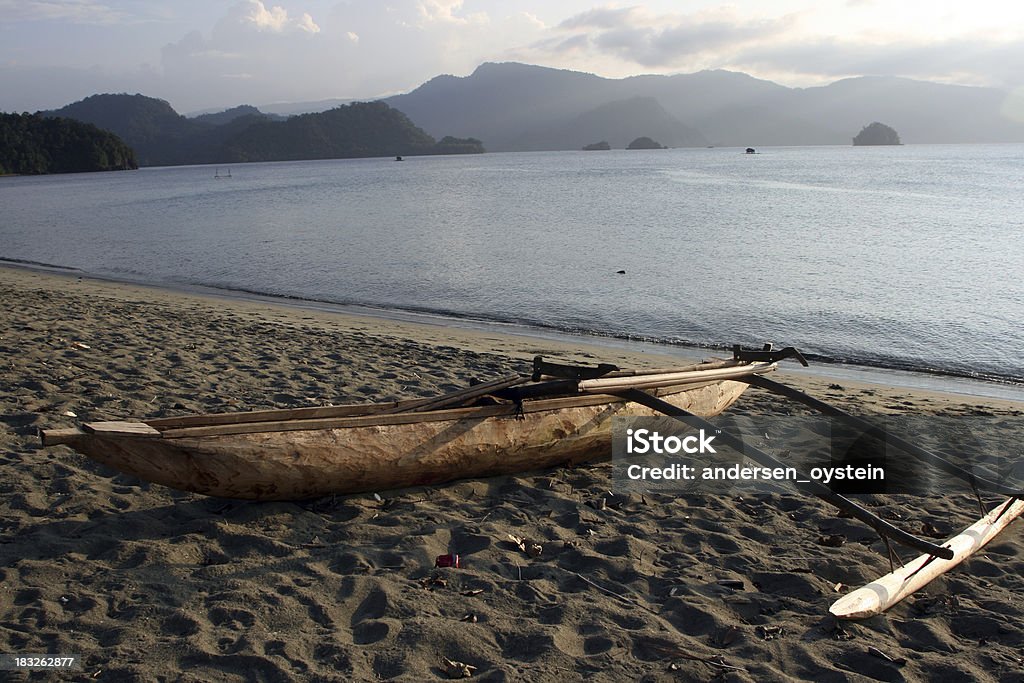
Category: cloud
[254,14]
[73,11]
[254,53]
[274,19]
[248,31]
[445,11]
[804,48]
[602,18]
[659,41]
[977,61]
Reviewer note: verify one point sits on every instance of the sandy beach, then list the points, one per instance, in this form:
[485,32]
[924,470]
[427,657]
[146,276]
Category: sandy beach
[147,583]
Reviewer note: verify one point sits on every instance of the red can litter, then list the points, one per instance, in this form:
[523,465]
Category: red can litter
[450,560]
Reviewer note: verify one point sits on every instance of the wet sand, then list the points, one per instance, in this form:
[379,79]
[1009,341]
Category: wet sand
[147,583]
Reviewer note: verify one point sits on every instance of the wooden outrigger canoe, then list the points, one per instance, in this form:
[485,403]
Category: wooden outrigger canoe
[312,452]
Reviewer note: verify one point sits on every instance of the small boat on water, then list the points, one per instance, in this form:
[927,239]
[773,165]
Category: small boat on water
[513,424]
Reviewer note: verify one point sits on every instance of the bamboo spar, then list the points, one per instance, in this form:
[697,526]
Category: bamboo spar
[612,385]
[883,593]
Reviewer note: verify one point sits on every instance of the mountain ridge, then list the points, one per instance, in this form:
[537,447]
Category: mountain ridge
[510,105]
[521,107]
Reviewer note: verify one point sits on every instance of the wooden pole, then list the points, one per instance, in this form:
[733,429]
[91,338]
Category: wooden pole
[612,385]
[883,593]
[462,395]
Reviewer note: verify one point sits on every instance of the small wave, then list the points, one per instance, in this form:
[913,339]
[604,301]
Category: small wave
[1009,378]
[38,264]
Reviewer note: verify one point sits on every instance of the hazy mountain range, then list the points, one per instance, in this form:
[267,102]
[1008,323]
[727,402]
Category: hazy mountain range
[519,107]
[514,106]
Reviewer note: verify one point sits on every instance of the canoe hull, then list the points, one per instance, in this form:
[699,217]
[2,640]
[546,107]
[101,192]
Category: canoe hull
[312,463]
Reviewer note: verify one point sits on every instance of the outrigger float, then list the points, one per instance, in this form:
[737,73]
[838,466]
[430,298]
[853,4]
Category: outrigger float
[559,415]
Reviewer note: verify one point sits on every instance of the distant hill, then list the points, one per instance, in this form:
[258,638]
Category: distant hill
[645,142]
[617,123]
[522,107]
[511,106]
[221,118]
[33,144]
[876,134]
[361,129]
[313,107]
[161,136]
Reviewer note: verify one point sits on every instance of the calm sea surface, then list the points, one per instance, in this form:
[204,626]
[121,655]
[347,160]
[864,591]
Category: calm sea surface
[909,257]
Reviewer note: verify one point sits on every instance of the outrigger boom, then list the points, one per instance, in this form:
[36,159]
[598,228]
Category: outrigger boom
[884,592]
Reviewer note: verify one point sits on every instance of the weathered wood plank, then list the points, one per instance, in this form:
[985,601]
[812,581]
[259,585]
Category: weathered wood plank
[121,428]
[56,437]
[275,415]
[615,384]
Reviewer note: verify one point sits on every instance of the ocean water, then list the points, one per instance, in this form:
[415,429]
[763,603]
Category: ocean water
[904,257]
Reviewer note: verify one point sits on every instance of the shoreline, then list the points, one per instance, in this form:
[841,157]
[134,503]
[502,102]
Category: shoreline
[145,582]
[481,334]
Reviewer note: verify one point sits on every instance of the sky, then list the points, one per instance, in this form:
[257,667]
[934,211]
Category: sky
[208,55]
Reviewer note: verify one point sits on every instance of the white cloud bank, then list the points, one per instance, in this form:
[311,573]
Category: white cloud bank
[797,48]
[273,19]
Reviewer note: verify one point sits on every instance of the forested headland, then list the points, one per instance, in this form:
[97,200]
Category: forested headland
[32,144]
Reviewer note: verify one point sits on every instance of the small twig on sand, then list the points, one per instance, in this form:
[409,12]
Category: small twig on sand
[613,593]
[676,651]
